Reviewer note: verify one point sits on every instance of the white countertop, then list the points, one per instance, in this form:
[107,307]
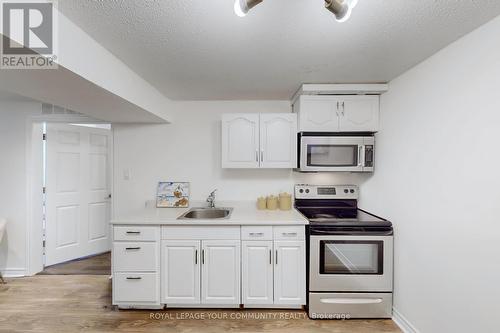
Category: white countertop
[244,213]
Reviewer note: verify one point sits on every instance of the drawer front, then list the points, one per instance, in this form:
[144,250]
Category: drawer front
[257,233]
[136,288]
[200,233]
[135,256]
[136,233]
[289,233]
[358,305]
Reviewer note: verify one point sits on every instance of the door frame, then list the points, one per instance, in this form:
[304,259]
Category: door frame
[34,185]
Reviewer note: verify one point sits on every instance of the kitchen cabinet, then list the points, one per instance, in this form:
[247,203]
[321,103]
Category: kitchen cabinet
[266,140]
[221,272]
[273,271]
[181,271]
[257,272]
[289,272]
[136,266]
[337,113]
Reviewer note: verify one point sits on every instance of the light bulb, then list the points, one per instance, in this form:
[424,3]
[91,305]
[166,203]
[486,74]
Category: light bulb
[239,8]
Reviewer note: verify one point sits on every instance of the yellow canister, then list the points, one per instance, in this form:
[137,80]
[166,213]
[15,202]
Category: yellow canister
[285,201]
[272,202]
[261,203]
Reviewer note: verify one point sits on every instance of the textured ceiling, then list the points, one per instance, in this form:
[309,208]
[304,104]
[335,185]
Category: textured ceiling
[200,50]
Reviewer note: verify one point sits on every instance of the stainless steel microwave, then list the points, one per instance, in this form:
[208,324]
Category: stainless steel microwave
[347,152]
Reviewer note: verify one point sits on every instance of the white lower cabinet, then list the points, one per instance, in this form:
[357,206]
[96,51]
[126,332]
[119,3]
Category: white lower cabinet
[217,266]
[289,272]
[257,272]
[274,272]
[180,273]
[220,274]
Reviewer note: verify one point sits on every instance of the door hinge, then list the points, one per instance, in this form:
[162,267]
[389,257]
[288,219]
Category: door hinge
[44,137]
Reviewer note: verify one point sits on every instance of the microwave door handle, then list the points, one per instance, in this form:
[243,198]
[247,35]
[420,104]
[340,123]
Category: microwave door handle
[360,155]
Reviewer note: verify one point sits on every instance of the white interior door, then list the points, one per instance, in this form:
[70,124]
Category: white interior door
[220,274]
[78,189]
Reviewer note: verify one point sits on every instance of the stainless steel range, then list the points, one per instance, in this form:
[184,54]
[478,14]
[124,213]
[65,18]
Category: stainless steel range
[350,255]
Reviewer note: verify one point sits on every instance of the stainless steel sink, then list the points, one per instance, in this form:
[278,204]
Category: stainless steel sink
[201,213]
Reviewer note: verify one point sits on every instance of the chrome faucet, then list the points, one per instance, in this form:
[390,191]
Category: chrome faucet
[211,199]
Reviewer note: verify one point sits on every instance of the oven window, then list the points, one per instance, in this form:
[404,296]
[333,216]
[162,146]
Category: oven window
[351,257]
[332,155]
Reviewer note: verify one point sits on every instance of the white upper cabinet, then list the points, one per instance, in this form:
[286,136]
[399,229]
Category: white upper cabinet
[278,140]
[240,140]
[337,113]
[259,140]
[359,113]
[220,272]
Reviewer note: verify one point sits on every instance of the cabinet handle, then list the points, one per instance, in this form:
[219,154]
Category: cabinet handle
[262,156]
[256,234]
[134,278]
[338,107]
[289,234]
[132,248]
[270,257]
[203,257]
[256,155]
[343,109]
[196,257]
[133,232]
[276,261]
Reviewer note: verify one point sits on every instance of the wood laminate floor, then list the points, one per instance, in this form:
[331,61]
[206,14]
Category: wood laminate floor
[82,303]
[95,265]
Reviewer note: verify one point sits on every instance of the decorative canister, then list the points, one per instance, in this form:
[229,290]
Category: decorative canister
[261,203]
[272,202]
[285,201]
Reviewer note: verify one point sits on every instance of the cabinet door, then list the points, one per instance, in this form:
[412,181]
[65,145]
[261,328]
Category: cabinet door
[180,278]
[319,113]
[289,272]
[240,141]
[221,272]
[257,271]
[359,113]
[278,140]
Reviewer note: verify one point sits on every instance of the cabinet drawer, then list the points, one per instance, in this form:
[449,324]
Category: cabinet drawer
[289,233]
[135,288]
[257,233]
[136,233]
[135,256]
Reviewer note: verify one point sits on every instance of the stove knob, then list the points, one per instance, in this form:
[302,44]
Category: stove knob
[346,191]
[352,191]
[307,191]
[301,191]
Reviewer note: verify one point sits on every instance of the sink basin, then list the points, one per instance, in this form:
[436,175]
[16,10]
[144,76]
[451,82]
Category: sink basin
[206,214]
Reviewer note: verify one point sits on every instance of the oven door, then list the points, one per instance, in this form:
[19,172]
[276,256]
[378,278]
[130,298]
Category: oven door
[351,263]
[332,153]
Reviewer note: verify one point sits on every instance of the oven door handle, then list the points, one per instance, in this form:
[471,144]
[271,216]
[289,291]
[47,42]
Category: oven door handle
[351,300]
[352,233]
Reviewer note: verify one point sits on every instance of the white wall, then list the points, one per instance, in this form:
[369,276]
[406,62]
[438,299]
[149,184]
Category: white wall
[190,150]
[13,182]
[437,179]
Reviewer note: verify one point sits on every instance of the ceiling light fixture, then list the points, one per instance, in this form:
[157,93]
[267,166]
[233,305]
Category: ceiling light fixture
[241,7]
[342,9]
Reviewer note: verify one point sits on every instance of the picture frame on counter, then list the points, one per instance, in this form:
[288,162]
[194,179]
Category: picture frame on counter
[172,195]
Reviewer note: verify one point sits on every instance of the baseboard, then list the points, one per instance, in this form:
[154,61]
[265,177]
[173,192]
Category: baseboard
[13,272]
[402,322]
